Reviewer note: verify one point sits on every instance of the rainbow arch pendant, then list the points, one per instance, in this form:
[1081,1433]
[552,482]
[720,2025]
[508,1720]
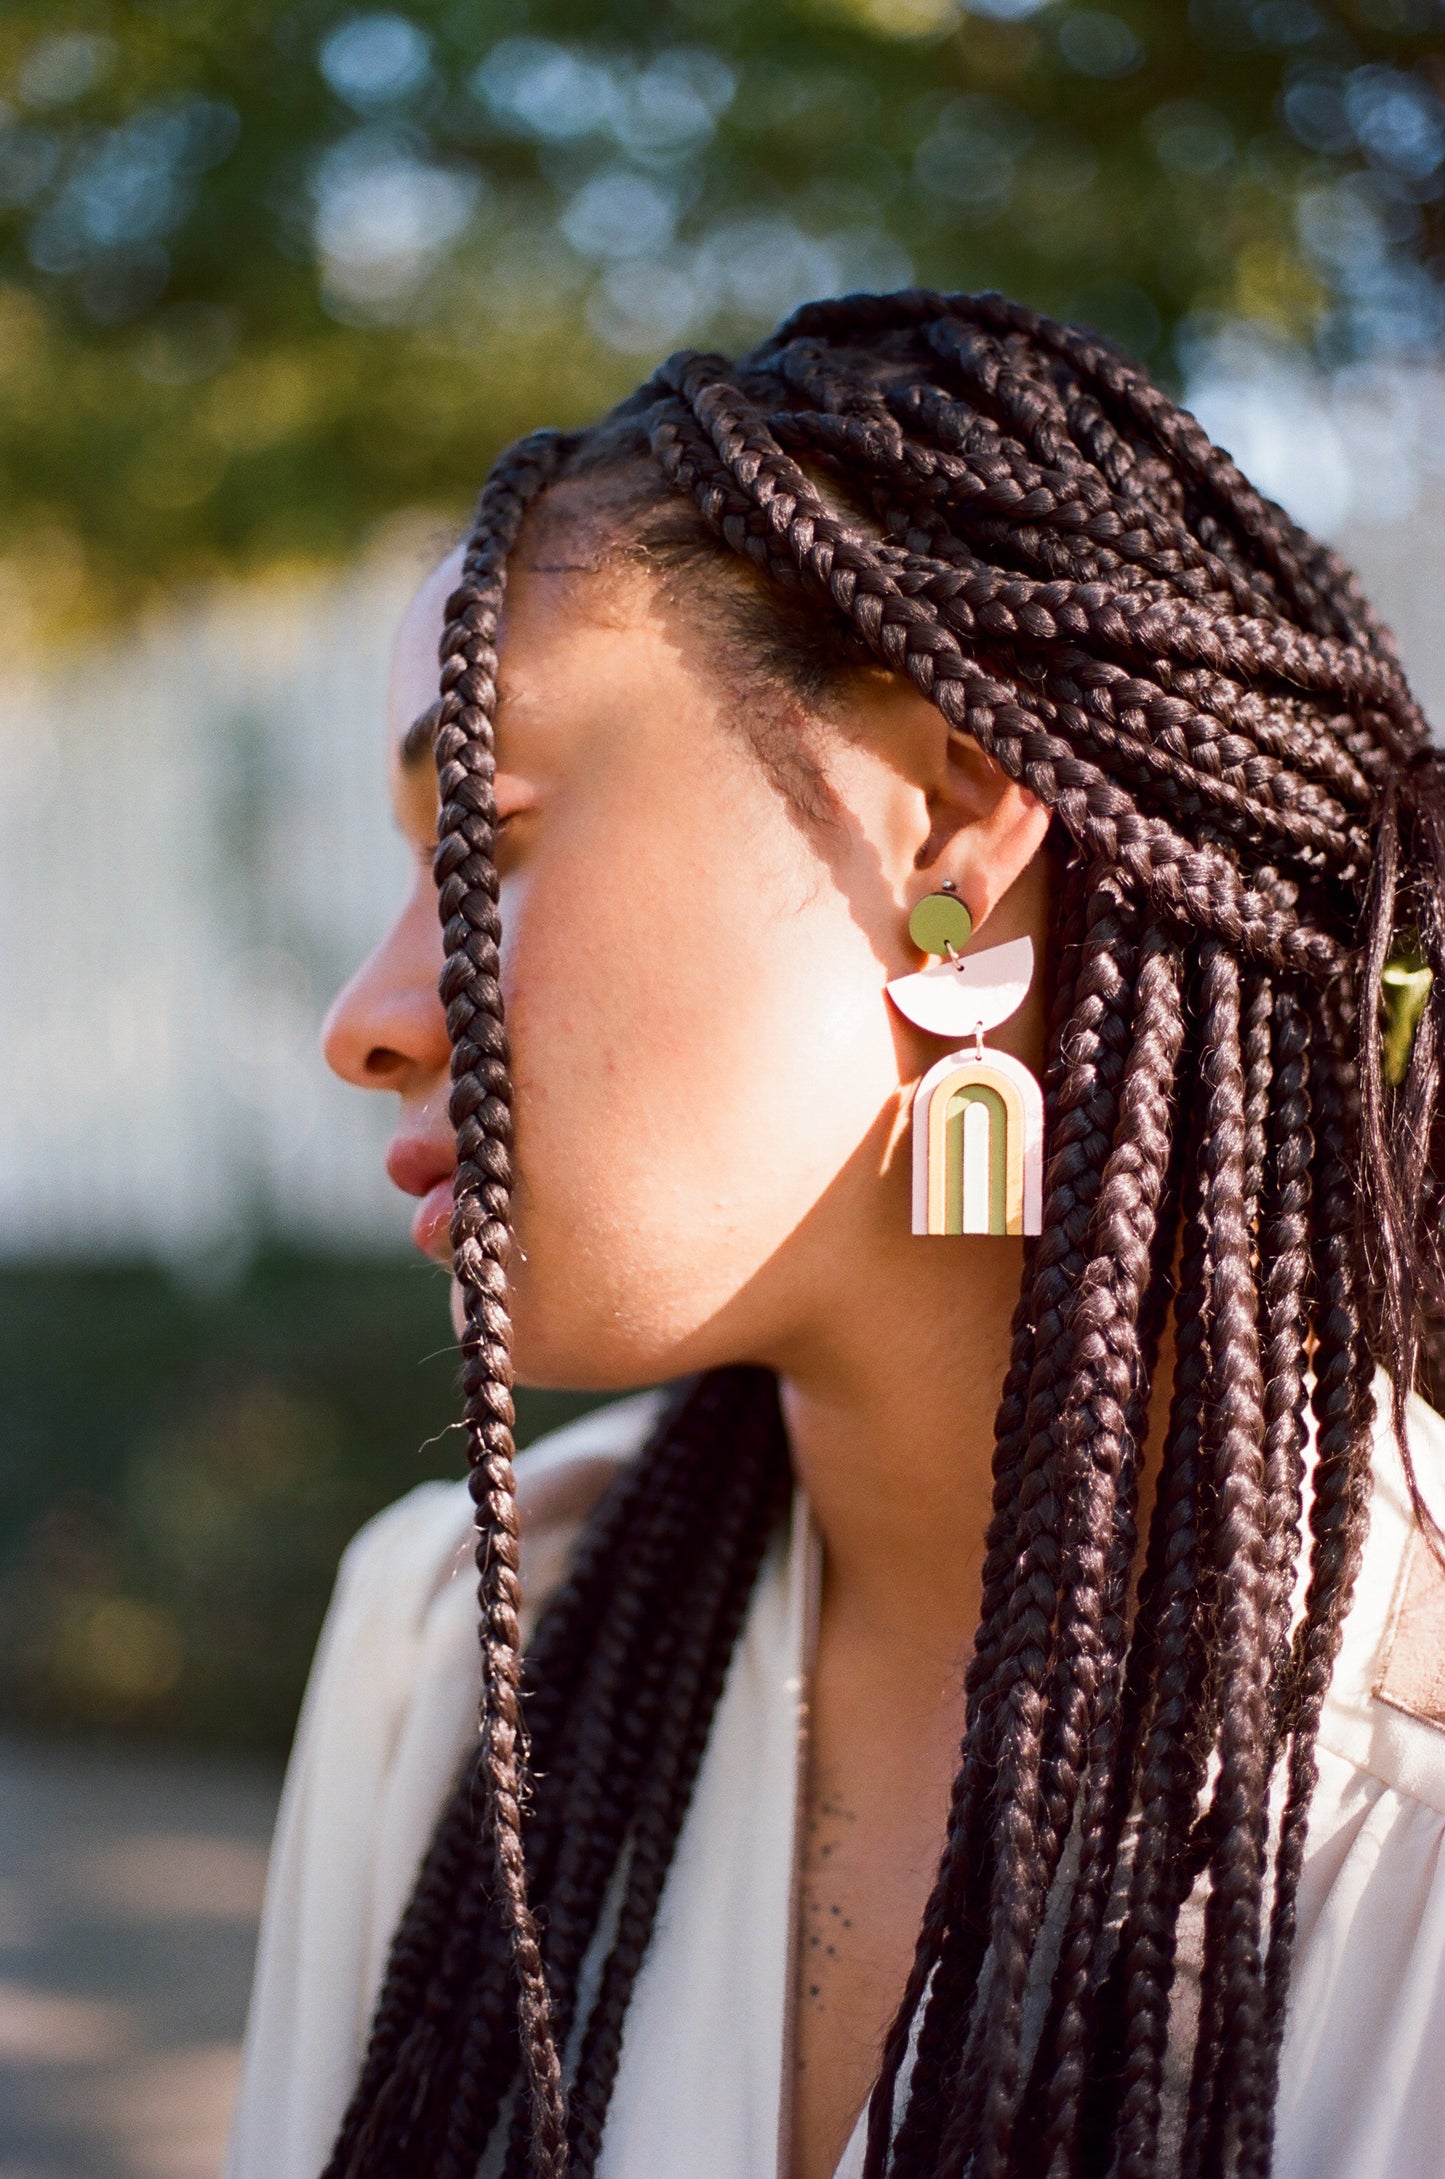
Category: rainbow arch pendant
[978,1137]
[978,1115]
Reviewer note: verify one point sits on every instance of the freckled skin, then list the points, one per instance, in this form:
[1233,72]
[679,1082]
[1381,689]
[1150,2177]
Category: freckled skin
[711,1095]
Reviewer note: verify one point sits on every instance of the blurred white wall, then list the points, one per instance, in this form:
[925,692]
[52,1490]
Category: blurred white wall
[195,848]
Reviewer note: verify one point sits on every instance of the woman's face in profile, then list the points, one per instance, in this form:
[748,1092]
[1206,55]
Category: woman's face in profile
[708,1114]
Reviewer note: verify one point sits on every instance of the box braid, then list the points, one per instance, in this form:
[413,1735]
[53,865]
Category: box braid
[1248,816]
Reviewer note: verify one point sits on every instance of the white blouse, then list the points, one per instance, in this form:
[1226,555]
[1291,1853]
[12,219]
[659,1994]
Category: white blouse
[699,2094]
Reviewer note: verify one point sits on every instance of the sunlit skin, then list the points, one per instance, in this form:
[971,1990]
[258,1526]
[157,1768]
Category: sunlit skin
[711,1106]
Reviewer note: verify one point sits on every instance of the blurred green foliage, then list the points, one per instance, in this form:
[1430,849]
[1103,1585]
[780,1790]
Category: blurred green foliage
[182,1471]
[270,269]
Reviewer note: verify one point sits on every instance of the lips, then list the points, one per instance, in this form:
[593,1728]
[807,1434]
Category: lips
[424,1168]
[431,1225]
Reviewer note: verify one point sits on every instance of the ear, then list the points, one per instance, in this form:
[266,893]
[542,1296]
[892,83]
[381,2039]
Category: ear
[983,828]
[936,810]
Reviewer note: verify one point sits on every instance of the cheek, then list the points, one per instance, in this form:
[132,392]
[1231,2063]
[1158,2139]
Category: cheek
[700,1044]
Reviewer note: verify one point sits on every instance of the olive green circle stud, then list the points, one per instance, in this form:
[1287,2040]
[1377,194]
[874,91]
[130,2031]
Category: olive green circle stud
[940,923]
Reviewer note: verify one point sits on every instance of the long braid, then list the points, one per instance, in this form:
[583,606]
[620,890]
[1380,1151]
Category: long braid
[1112,1318]
[1005,512]
[481,1116]
[1342,1399]
[1284,1256]
[1285,1264]
[1172,1762]
[1232,1998]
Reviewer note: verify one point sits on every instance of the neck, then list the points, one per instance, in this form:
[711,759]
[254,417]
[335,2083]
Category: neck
[891,1419]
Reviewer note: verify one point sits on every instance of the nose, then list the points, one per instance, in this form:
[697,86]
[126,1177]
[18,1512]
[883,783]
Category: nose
[386,1029]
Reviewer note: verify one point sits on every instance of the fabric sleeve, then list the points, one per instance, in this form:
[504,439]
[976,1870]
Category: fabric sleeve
[388,1714]
[307,2014]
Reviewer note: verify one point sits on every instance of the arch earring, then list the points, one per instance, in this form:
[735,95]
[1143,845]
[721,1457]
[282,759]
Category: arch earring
[978,1115]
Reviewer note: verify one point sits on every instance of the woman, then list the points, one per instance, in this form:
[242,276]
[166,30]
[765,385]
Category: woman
[927,600]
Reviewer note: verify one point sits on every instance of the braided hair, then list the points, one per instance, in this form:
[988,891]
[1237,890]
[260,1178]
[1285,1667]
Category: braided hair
[1248,816]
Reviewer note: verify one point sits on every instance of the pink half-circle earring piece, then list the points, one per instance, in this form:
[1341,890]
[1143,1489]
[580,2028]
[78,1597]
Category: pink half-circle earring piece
[965,993]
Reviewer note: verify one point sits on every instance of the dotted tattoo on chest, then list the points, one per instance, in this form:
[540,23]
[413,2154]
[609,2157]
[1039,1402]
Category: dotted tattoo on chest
[824,1925]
